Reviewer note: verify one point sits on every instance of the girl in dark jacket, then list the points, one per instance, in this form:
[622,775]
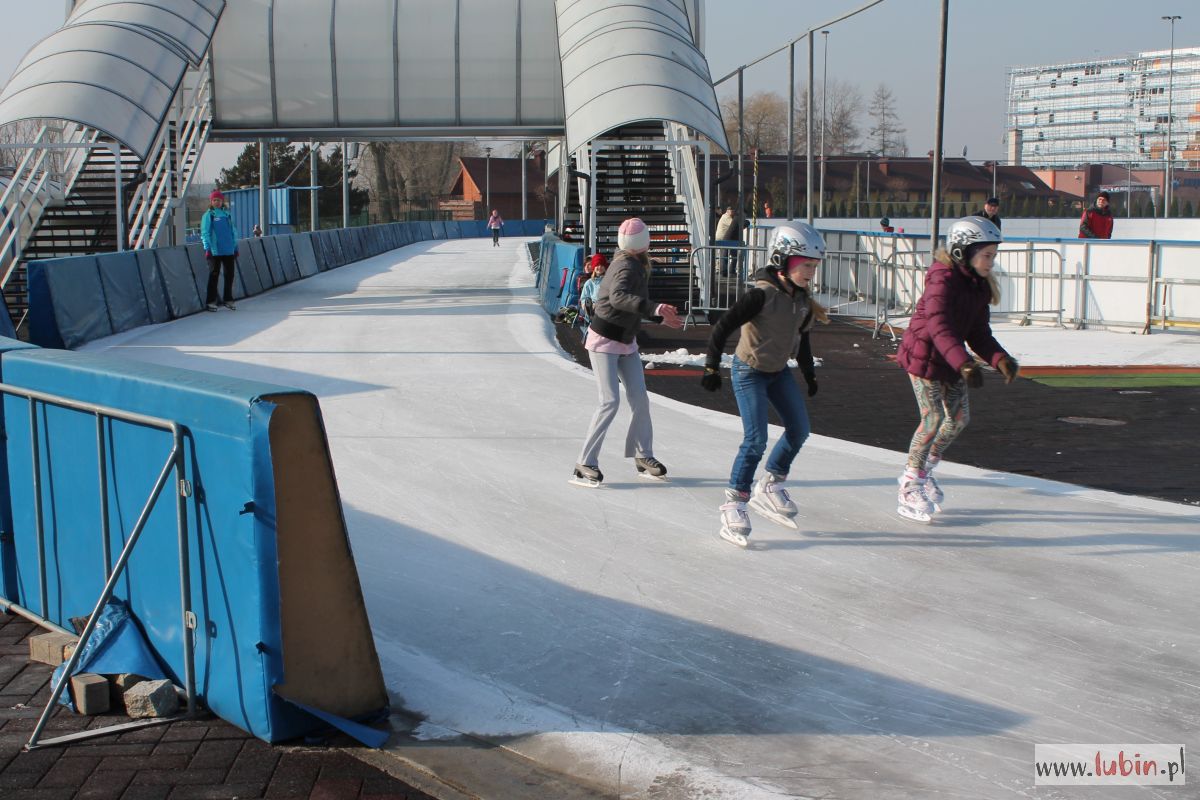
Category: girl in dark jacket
[775,316]
[622,302]
[951,314]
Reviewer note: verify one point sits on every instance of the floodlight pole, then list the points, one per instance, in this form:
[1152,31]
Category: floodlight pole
[1167,191]
[314,178]
[935,216]
[824,109]
[808,137]
[791,155]
[487,181]
[264,180]
[345,185]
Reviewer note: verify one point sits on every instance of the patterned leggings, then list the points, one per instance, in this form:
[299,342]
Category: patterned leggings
[945,411]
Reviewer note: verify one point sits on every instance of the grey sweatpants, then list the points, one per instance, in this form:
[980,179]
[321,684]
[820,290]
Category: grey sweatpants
[610,370]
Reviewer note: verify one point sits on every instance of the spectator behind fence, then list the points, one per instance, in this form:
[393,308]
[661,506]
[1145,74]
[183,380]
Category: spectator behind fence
[1097,221]
[991,211]
[885,225]
[587,297]
[727,227]
[219,236]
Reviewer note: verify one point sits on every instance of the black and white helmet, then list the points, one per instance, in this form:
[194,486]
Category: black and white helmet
[968,231]
[801,240]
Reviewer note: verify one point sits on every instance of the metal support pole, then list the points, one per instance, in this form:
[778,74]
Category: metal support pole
[487,182]
[314,214]
[102,459]
[39,522]
[791,134]
[935,216]
[524,180]
[1167,180]
[741,144]
[824,108]
[345,185]
[264,183]
[808,138]
[116,150]
[183,490]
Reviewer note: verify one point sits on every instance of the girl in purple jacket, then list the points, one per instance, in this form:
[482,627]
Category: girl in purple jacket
[951,314]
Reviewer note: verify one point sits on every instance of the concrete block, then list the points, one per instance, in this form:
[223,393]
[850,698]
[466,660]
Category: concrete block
[48,648]
[119,684]
[152,699]
[90,693]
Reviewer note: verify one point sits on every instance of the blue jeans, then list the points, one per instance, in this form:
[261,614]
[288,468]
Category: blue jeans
[754,390]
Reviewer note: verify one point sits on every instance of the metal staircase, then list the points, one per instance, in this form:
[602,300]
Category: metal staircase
[67,196]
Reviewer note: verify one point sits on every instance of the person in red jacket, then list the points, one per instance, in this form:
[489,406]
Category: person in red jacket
[951,314]
[1097,221]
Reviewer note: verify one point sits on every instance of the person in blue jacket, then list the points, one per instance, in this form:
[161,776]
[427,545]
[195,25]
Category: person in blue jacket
[219,237]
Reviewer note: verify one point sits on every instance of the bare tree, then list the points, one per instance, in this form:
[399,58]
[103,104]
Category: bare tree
[765,116]
[887,134]
[844,110]
[408,176]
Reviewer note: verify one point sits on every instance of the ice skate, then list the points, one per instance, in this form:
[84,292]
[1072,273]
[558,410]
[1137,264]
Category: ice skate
[933,492]
[650,467]
[587,477]
[771,500]
[229,304]
[735,522]
[911,502]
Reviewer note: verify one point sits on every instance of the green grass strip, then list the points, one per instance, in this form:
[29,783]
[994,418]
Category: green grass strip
[1119,381]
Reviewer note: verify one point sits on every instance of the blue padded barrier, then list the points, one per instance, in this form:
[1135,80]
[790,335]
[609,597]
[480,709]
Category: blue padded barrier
[180,282]
[306,259]
[273,584]
[201,271]
[72,291]
[423,232]
[331,242]
[123,293]
[152,286]
[453,230]
[262,258]
[349,243]
[286,257]
[248,273]
[358,250]
[259,257]
[273,262]
[562,257]
[8,550]
[318,246]
[439,229]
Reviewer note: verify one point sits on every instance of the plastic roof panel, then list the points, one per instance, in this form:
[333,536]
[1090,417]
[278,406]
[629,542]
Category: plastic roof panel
[633,61]
[114,66]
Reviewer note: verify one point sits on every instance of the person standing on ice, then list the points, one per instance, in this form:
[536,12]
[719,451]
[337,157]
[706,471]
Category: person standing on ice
[951,314]
[622,301]
[219,237]
[775,317]
[495,223]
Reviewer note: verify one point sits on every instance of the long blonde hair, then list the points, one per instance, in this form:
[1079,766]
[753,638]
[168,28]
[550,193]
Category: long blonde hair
[942,255]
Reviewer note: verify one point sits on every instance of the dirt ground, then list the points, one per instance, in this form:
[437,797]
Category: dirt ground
[1140,441]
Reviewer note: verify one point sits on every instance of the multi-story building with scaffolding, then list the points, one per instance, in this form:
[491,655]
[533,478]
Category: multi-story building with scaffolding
[1112,111]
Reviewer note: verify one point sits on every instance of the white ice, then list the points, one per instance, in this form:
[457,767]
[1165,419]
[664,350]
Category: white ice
[612,635]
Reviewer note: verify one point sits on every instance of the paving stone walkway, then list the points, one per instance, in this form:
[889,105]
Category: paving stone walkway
[183,760]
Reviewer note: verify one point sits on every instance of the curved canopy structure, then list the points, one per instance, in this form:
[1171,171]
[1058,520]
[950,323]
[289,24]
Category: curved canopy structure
[633,61]
[375,68]
[114,66]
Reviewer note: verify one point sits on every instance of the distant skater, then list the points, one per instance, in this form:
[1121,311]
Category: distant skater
[622,302]
[495,223]
[775,316]
[951,314]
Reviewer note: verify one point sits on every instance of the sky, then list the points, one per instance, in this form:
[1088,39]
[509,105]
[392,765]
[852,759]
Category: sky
[895,43]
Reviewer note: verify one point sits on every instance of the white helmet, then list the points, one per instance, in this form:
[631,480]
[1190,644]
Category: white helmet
[968,231]
[802,240]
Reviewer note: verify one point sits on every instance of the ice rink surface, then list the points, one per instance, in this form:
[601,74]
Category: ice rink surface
[612,635]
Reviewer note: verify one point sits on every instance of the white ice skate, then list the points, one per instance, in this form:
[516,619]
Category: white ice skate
[911,501]
[735,522]
[771,500]
[933,492]
[651,468]
[587,477]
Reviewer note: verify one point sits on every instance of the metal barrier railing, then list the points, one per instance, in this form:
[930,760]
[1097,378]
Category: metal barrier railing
[1161,306]
[718,277]
[174,463]
[1032,282]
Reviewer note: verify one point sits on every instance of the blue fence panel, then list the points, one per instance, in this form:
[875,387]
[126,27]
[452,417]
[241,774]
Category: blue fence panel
[248,273]
[287,257]
[201,270]
[176,271]
[152,285]
[261,258]
[123,292]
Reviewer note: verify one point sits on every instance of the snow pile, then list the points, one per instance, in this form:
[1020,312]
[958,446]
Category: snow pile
[682,358]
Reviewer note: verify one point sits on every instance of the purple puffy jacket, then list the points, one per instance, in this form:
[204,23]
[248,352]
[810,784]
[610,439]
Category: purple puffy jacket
[952,313]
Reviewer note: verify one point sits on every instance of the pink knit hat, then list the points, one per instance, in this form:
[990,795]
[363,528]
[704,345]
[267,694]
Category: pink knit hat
[633,236]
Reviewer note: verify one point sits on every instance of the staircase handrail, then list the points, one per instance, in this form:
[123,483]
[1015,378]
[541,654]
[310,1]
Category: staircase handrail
[30,179]
[687,185]
[171,166]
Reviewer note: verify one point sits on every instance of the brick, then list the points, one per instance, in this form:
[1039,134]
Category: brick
[145,791]
[294,776]
[224,730]
[152,699]
[255,762]
[108,749]
[70,771]
[183,732]
[47,648]
[119,684]
[149,735]
[143,762]
[335,788]
[49,793]
[109,785]
[38,761]
[28,682]
[183,777]
[222,792]
[216,754]
[90,693]
[18,780]
[184,748]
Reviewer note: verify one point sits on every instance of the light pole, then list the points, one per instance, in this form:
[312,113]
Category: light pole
[824,106]
[487,181]
[1170,114]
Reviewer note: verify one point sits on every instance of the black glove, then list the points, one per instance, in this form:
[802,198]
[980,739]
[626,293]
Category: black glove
[811,380]
[1008,367]
[972,374]
[711,379]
